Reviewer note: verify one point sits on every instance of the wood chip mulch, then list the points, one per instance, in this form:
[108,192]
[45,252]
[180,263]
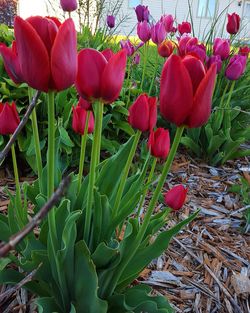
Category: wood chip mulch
[207,266]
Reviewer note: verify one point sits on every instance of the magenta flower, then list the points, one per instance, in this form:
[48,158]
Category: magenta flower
[168,22]
[142,13]
[158,33]
[215,59]
[111,21]
[144,31]
[236,67]
[184,28]
[68,5]
[221,47]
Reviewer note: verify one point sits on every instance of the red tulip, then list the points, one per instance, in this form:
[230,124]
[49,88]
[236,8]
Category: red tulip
[244,51]
[79,120]
[233,23]
[159,143]
[166,48]
[107,53]
[9,118]
[47,54]
[55,20]
[186,91]
[184,28]
[98,78]
[175,197]
[84,104]
[143,113]
[11,62]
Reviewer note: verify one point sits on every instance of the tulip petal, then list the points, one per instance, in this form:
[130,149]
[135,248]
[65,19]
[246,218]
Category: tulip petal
[64,56]
[176,91]
[139,113]
[32,54]
[9,119]
[91,64]
[203,99]
[113,77]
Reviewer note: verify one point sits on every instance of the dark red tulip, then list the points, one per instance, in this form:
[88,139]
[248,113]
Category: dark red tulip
[11,62]
[68,5]
[84,104]
[107,53]
[186,91]
[47,54]
[143,113]
[244,51]
[159,143]
[236,67]
[184,28]
[99,79]
[79,120]
[166,48]
[233,23]
[175,197]
[9,119]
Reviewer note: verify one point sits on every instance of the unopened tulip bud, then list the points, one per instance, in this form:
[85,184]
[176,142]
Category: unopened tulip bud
[142,13]
[158,33]
[233,23]
[144,31]
[68,5]
[80,118]
[9,119]
[111,21]
[184,28]
[166,48]
[221,47]
[236,67]
[175,197]
[159,143]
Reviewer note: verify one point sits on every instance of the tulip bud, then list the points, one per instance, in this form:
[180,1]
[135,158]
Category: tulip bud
[143,31]
[111,21]
[142,13]
[143,113]
[79,120]
[166,48]
[158,33]
[236,67]
[168,22]
[159,143]
[217,60]
[137,59]
[84,104]
[233,23]
[244,51]
[175,197]
[221,47]
[9,119]
[68,5]
[107,53]
[184,28]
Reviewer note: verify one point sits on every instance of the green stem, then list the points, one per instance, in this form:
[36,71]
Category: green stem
[18,189]
[144,63]
[150,176]
[227,115]
[224,94]
[37,142]
[112,284]
[125,173]
[51,144]
[95,156]
[155,73]
[83,148]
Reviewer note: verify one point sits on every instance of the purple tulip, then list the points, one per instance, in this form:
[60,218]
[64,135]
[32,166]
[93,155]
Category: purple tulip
[127,45]
[158,33]
[111,21]
[168,22]
[236,67]
[221,47]
[142,13]
[217,60]
[68,5]
[143,31]
[137,59]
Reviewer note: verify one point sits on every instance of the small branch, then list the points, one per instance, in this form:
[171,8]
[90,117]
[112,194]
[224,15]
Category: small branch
[36,220]
[24,120]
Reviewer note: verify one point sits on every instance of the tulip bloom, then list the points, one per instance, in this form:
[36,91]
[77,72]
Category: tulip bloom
[107,53]
[158,33]
[159,143]
[184,28]
[127,45]
[99,79]
[68,5]
[142,13]
[175,197]
[111,21]
[166,48]
[233,23]
[244,51]
[11,62]
[144,31]
[186,91]
[190,45]
[9,119]
[168,22]
[47,54]
[143,113]
[79,120]
[221,47]
[236,67]
[217,60]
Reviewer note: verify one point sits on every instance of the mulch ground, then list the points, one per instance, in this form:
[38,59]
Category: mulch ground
[207,266]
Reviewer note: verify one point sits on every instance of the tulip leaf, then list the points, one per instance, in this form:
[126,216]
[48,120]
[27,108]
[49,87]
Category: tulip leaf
[46,305]
[64,137]
[105,254]
[189,143]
